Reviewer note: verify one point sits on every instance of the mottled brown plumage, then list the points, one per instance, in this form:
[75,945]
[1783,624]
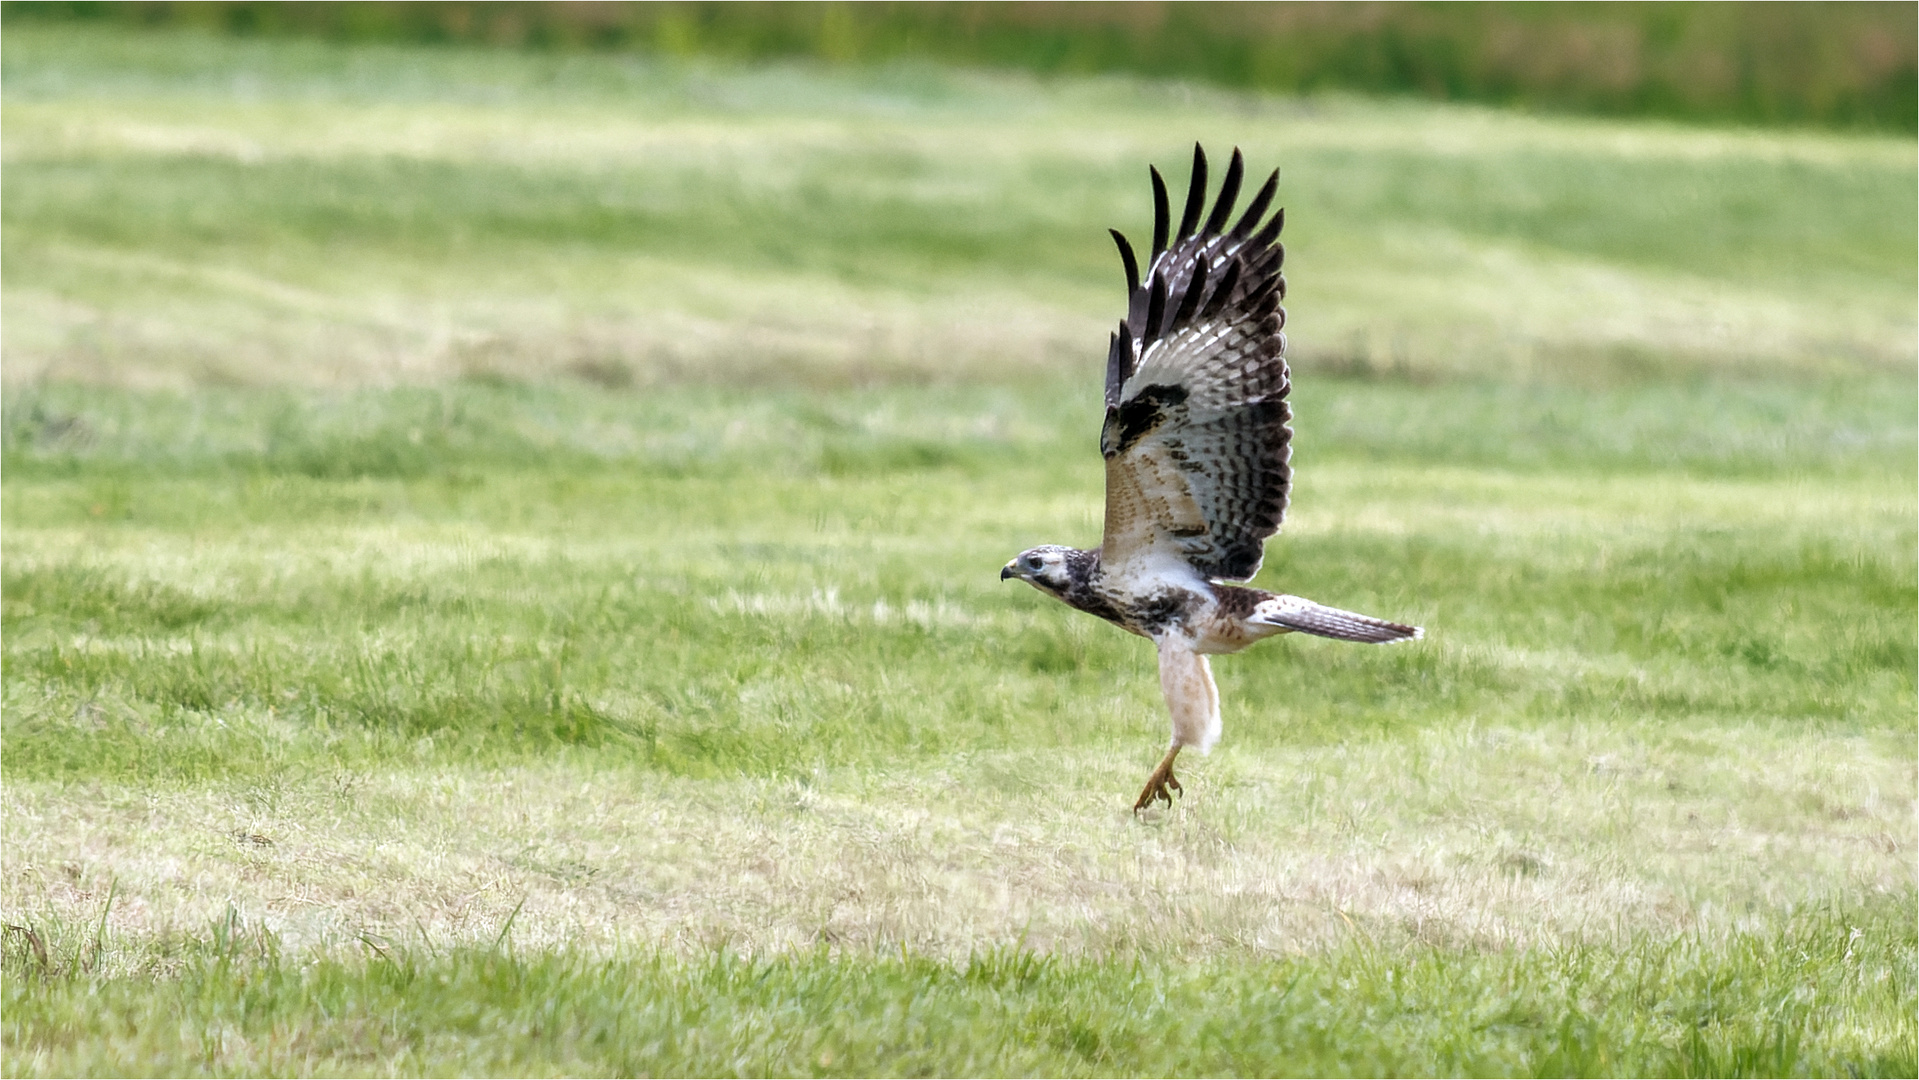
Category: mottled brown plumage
[1197,442]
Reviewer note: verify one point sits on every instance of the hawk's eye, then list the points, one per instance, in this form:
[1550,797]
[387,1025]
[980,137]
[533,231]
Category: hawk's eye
[1034,562]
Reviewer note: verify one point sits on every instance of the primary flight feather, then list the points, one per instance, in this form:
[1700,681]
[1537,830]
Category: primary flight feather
[1197,442]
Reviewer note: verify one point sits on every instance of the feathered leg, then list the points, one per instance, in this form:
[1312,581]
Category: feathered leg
[1193,700]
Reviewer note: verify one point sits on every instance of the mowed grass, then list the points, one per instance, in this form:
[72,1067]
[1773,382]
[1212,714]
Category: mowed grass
[501,577]
[182,210]
[685,721]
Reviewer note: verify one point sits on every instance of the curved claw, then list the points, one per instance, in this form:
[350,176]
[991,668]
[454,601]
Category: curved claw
[1162,791]
[1161,786]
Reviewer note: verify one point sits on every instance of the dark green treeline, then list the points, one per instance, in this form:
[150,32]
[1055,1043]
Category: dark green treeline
[1832,64]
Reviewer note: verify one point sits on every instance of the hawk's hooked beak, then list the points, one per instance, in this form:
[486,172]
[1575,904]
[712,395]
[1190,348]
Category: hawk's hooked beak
[1007,572]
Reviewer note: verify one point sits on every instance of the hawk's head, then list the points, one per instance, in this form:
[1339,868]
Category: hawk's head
[1048,567]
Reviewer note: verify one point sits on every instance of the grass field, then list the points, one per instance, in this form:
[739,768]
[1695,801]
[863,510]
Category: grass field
[500,577]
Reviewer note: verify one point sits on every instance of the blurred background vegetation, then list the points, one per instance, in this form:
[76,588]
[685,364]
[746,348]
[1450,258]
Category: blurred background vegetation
[1836,64]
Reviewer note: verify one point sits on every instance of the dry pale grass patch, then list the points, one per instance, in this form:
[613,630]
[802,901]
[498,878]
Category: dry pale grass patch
[1476,836]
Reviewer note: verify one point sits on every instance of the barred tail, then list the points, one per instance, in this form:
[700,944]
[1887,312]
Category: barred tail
[1301,614]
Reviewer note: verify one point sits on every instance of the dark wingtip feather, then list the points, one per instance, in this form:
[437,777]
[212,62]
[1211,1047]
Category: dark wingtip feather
[1115,365]
[1228,194]
[1194,290]
[1155,309]
[1266,236]
[1257,208]
[1262,290]
[1262,264]
[1223,292]
[1128,260]
[1195,194]
[1162,212]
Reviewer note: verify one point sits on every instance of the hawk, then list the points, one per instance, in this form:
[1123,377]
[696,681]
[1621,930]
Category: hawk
[1198,460]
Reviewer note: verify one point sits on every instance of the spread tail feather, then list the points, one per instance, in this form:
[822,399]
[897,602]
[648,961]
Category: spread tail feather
[1301,614]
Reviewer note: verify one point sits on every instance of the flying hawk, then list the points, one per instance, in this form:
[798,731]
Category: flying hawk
[1197,454]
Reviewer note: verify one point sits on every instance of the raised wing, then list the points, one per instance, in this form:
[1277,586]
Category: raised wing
[1197,438]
